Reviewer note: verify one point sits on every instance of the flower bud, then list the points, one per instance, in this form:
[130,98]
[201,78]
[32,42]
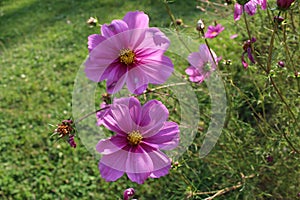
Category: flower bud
[179,22]
[280,63]
[278,19]
[128,193]
[284,4]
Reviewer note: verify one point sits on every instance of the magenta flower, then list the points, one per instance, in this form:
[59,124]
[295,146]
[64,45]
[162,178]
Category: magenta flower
[141,133]
[128,51]
[248,50]
[202,64]
[249,7]
[213,31]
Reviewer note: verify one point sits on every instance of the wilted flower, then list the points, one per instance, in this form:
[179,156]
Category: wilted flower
[65,129]
[72,141]
[284,4]
[128,193]
[248,50]
[141,133]
[249,7]
[128,51]
[92,21]
[214,31]
[202,64]
[278,19]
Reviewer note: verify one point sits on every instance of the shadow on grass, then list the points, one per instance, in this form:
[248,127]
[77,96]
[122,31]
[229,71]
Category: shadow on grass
[25,19]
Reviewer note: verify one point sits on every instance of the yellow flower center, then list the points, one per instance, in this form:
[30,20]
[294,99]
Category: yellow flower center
[126,56]
[134,138]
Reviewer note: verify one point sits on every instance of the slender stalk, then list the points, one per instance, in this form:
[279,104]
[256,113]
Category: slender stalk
[283,100]
[247,25]
[174,22]
[89,114]
[288,53]
[250,38]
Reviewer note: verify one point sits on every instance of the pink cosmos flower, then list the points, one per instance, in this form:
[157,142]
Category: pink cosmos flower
[128,51]
[213,31]
[202,64]
[249,7]
[141,133]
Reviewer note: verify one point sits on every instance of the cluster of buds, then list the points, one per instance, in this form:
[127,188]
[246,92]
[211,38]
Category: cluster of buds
[65,129]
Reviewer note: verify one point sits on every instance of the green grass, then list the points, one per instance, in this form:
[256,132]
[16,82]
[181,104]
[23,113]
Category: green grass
[42,46]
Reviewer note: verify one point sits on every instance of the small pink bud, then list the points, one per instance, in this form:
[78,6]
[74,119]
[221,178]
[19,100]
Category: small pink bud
[281,63]
[128,193]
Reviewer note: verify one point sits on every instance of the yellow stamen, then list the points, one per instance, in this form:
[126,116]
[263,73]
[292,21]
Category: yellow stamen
[134,138]
[127,56]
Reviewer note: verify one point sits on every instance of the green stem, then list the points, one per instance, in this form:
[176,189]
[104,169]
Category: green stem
[89,114]
[288,53]
[274,31]
[174,22]
[247,26]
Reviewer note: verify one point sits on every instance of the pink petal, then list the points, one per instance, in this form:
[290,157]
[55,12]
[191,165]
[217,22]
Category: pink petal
[110,123]
[134,106]
[192,71]
[116,26]
[245,64]
[250,8]
[136,20]
[157,68]
[234,36]
[121,114]
[161,172]
[138,177]
[116,160]
[109,146]
[139,161]
[153,40]
[136,80]
[167,138]
[238,11]
[94,40]
[154,115]
[108,173]
[102,56]
[116,79]
[195,59]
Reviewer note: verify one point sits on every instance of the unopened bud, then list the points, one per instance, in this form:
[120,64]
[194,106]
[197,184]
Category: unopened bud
[179,22]
[284,4]
[281,63]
